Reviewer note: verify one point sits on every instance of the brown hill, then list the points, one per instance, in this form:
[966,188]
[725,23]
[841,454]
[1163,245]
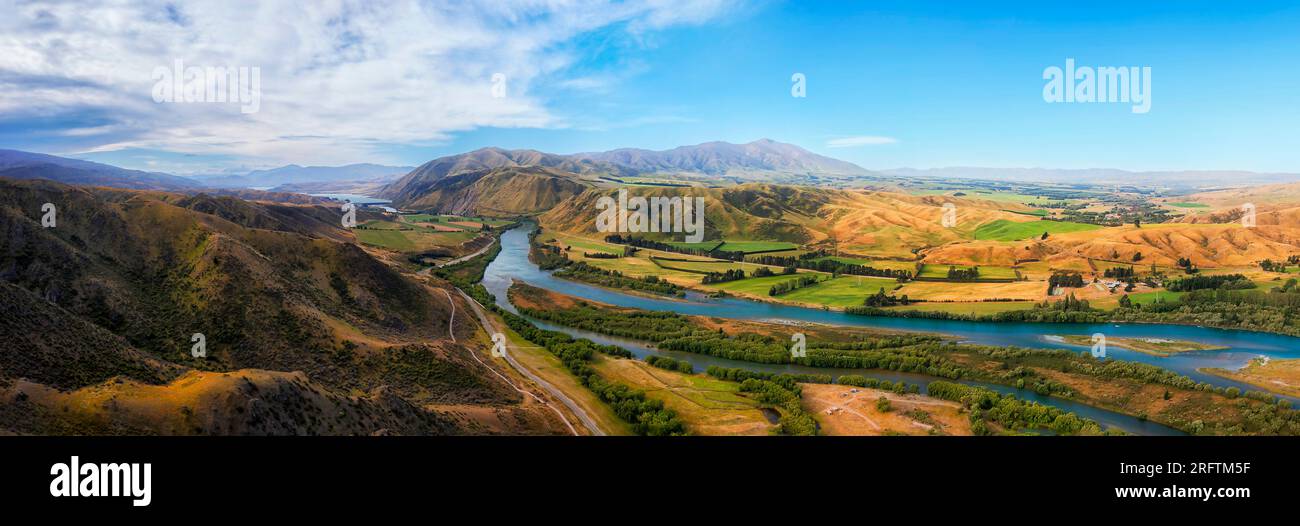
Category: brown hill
[118,287]
[493,192]
[876,223]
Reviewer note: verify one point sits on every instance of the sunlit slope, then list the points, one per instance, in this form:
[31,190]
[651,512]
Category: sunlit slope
[875,223]
[1275,205]
[501,192]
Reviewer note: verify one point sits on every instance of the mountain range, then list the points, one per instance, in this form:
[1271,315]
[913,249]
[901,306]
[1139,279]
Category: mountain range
[27,165]
[295,174]
[1180,179]
[453,183]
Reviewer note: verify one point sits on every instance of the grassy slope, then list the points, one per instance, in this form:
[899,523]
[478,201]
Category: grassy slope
[1004,230]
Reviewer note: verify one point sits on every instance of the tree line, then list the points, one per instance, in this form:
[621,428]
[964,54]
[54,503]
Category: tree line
[791,285]
[820,262]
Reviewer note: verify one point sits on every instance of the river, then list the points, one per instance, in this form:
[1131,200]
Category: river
[512,263]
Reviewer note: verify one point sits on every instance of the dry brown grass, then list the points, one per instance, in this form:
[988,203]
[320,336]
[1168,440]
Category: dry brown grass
[840,411]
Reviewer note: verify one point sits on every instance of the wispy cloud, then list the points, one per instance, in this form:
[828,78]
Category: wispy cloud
[339,80]
[860,140]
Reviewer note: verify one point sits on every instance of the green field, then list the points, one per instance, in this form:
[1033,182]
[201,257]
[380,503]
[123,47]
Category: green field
[1004,230]
[756,246]
[941,271]
[708,266]
[1112,301]
[585,245]
[390,239]
[704,245]
[1189,205]
[444,219]
[755,286]
[412,237]
[844,291]
[886,264]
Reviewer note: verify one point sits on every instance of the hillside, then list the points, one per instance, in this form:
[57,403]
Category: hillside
[877,223]
[500,192]
[908,227]
[126,277]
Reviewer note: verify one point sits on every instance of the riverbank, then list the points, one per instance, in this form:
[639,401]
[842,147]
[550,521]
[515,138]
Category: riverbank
[1152,346]
[1275,375]
[1137,390]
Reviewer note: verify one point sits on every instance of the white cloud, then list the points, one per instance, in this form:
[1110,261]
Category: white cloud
[339,79]
[860,140]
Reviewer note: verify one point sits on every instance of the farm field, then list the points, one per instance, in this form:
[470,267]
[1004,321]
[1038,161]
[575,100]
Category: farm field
[586,245]
[709,266]
[884,264]
[707,405]
[754,286]
[409,237]
[940,271]
[968,307]
[703,245]
[973,291]
[844,291]
[1004,230]
[756,246]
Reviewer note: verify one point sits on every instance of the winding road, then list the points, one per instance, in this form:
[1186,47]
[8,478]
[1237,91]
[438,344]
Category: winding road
[582,415]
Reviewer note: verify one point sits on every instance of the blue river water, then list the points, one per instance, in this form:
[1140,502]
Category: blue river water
[1241,346]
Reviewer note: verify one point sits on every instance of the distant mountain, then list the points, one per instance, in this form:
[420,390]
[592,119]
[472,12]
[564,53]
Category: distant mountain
[762,160]
[724,158]
[295,174]
[1102,176]
[27,165]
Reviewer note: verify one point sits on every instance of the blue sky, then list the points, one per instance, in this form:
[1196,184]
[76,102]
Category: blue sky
[935,83]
